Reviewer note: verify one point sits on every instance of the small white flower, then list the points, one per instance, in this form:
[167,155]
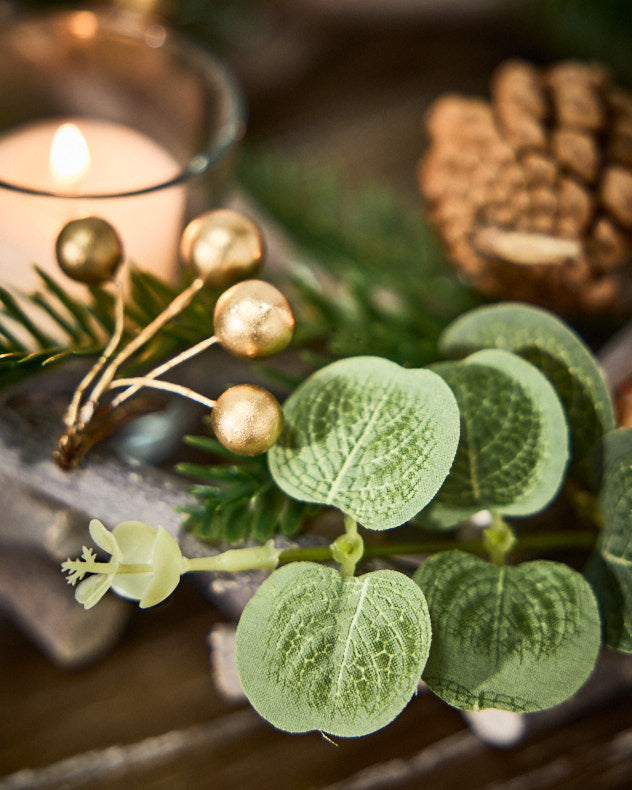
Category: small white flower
[145,564]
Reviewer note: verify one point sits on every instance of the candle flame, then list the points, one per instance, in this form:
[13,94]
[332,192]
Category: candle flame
[69,156]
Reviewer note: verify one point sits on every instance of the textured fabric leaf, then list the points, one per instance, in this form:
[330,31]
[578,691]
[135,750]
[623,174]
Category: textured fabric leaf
[611,571]
[544,340]
[513,448]
[368,437]
[519,638]
[320,651]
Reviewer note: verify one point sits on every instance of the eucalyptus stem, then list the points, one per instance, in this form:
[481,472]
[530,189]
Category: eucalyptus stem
[499,540]
[233,560]
[348,549]
[549,541]
[70,418]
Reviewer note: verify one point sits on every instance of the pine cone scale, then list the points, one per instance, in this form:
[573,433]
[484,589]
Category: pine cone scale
[532,191]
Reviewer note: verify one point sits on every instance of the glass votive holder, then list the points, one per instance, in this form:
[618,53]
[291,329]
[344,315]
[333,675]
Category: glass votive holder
[108,113]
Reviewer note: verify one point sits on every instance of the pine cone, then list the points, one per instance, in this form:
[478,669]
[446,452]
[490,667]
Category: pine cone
[532,193]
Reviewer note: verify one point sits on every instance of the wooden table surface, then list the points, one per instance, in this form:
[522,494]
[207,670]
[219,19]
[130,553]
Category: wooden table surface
[351,94]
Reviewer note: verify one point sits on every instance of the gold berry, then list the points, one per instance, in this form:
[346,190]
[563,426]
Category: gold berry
[89,250]
[222,247]
[247,419]
[253,319]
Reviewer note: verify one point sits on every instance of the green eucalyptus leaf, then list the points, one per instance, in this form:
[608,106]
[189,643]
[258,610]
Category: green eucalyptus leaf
[519,638]
[368,437]
[513,449]
[610,571]
[320,651]
[547,342]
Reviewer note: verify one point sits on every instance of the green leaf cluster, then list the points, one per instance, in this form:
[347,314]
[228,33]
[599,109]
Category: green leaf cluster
[561,355]
[498,429]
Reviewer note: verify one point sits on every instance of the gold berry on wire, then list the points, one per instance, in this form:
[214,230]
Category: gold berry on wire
[89,250]
[222,247]
[253,319]
[247,419]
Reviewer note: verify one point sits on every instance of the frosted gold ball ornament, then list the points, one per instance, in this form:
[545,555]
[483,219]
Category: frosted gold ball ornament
[222,247]
[89,250]
[247,419]
[253,319]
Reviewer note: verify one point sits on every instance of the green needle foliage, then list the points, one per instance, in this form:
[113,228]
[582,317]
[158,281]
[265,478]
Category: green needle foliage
[238,500]
[50,325]
[369,274]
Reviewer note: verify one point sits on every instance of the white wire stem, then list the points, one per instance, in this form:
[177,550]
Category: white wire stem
[168,365]
[166,386]
[175,307]
[70,417]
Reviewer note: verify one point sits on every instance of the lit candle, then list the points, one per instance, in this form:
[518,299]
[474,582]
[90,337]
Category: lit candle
[53,171]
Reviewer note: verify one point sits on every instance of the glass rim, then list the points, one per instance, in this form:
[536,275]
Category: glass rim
[201,61]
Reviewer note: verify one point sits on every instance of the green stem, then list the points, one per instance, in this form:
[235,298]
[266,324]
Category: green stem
[549,541]
[348,549]
[233,560]
[499,540]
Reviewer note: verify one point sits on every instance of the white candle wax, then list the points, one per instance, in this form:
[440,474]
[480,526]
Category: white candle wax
[120,160]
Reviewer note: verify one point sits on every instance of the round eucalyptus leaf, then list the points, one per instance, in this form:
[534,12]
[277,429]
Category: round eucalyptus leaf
[547,342]
[611,576]
[368,437]
[513,449]
[612,584]
[521,638]
[317,650]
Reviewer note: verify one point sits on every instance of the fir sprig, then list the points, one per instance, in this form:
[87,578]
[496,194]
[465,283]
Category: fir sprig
[238,500]
[368,270]
[81,325]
